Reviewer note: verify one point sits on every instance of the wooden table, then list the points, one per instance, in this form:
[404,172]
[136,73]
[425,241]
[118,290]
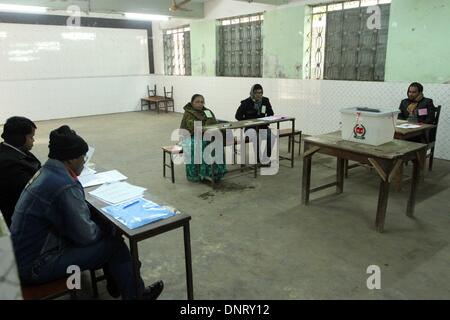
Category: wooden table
[386,159]
[156,100]
[258,123]
[148,231]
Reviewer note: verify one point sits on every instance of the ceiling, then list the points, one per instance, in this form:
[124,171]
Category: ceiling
[160,7]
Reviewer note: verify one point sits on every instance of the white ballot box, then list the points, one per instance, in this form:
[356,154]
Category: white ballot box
[367,125]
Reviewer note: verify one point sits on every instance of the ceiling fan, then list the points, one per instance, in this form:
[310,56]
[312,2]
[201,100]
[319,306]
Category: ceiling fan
[179,6]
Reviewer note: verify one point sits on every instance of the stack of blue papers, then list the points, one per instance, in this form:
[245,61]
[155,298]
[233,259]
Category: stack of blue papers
[138,212]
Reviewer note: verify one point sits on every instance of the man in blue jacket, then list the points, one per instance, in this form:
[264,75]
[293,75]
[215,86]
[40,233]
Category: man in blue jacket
[52,227]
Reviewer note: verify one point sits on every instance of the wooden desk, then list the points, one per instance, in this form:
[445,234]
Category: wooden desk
[406,134]
[386,160]
[156,100]
[148,231]
[257,123]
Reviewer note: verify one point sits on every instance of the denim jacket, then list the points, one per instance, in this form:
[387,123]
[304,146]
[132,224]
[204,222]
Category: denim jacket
[51,214]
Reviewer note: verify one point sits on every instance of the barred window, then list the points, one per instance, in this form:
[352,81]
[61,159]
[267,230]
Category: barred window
[348,40]
[177,51]
[240,46]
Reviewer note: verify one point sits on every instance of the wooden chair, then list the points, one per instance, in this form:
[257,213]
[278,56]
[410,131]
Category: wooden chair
[147,101]
[46,291]
[169,104]
[170,150]
[433,135]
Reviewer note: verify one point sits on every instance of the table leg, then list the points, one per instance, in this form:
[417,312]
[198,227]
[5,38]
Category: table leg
[188,261]
[340,168]
[292,140]
[382,204]
[135,262]
[306,179]
[412,194]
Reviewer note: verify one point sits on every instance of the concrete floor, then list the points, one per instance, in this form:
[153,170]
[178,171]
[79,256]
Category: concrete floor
[251,238]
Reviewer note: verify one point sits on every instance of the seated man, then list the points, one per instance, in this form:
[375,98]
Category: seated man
[256,106]
[416,108]
[17,164]
[52,227]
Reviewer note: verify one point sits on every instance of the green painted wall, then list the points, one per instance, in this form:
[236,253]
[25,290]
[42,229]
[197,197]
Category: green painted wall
[418,48]
[203,48]
[283,43]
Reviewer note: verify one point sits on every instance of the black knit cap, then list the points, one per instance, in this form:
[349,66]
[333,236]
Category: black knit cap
[65,144]
[15,130]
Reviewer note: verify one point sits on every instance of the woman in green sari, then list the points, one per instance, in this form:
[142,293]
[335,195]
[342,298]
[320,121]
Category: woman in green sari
[196,111]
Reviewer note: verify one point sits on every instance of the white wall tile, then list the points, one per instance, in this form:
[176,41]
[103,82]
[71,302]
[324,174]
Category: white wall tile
[314,103]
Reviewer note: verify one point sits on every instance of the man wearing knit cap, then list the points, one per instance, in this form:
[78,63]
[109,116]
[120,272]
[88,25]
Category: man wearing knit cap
[17,164]
[52,227]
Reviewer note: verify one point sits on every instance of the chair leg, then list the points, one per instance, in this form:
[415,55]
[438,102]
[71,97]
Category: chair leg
[289,144]
[164,163]
[430,162]
[299,143]
[172,169]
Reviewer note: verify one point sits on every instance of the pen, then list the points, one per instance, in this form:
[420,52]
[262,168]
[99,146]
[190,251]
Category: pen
[130,204]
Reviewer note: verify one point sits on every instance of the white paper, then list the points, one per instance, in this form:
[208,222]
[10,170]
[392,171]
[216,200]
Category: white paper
[101,178]
[408,126]
[117,192]
[271,118]
[87,171]
[89,155]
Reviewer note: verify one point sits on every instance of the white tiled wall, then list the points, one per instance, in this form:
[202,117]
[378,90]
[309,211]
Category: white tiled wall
[65,98]
[314,103]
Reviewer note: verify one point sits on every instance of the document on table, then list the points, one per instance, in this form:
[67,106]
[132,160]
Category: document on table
[87,171]
[408,126]
[117,192]
[137,213]
[271,118]
[101,178]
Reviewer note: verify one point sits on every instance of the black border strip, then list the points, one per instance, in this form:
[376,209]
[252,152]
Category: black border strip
[56,20]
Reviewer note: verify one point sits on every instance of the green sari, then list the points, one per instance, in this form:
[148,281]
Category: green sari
[198,172]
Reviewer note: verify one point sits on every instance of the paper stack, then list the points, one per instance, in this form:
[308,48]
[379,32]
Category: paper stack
[117,192]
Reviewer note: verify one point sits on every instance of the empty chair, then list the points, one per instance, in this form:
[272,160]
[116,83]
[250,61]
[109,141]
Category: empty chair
[148,101]
[169,104]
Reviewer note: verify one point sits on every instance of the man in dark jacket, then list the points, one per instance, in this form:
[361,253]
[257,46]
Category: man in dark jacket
[256,106]
[17,164]
[416,108]
[52,227]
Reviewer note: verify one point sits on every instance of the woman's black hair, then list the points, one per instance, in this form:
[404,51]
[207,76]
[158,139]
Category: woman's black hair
[257,87]
[195,96]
